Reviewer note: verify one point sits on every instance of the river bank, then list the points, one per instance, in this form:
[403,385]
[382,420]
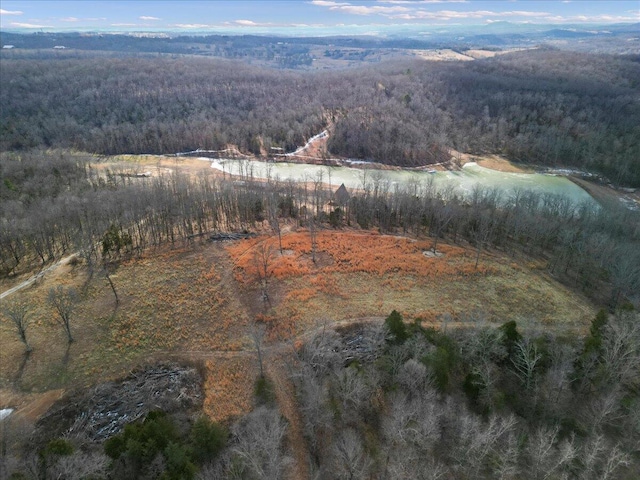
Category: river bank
[604,194]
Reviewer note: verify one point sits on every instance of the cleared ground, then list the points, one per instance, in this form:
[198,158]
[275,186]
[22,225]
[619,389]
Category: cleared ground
[198,304]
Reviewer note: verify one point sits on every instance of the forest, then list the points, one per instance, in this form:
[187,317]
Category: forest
[397,401]
[541,107]
[392,399]
[53,204]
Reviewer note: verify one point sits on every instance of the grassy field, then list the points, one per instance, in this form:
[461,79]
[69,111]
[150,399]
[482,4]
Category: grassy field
[366,274]
[198,304]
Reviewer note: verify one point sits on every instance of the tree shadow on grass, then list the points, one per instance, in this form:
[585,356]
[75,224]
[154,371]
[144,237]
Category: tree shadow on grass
[23,365]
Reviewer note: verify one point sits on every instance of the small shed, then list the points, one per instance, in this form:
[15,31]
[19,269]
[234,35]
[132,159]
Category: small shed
[341,196]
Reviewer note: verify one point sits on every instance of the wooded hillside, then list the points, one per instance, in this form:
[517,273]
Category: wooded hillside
[542,107]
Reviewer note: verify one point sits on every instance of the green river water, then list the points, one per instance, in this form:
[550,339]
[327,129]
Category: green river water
[463,181]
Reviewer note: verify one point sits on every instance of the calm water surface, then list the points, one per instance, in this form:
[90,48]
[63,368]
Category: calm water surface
[463,181]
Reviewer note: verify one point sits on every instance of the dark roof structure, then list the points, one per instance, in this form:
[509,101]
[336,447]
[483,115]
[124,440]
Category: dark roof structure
[341,196]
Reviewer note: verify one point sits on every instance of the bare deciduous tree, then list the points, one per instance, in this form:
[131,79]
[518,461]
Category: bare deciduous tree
[481,235]
[274,219]
[79,466]
[18,312]
[313,235]
[603,409]
[616,458]
[64,302]
[620,359]
[263,261]
[350,460]
[351,389]
[546,458]
[526,357]
[258,444]
[257,335]
[413,377]
[479,440]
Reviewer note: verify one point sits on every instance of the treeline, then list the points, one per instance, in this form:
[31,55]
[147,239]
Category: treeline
[544,107]
[154,106]
[407,402]
[399,401]
[55,204]
[177,443]
[552,108]
[289,54]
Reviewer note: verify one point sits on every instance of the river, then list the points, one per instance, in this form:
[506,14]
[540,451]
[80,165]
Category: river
[464,181]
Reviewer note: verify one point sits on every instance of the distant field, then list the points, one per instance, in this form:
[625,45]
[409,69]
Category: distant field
[366,274]
[198,304]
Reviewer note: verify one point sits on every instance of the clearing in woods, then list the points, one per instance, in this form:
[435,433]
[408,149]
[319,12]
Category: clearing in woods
[199,303]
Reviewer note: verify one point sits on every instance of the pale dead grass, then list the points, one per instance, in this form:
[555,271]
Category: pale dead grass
[444,54]
[195,303]
[371,274]
[476,54]
[229,386]
[493,162]
[171,301]
[155,165]
[29,406]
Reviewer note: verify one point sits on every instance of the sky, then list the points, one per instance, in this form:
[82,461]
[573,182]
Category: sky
[259,16]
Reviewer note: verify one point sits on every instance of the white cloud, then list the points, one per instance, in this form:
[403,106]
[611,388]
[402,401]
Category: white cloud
[29,25]
[359,9]
[10,12]
[84,19]
[415,10]
[414,2]
[191,25]
[328,3]
[124,24]
[411,10]
[251,23]
[374,10]
[477,14]
[145,17]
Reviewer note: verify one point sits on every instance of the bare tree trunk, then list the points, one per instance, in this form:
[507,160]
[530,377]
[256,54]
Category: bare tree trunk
[257,334]
[313,234]
[113,288]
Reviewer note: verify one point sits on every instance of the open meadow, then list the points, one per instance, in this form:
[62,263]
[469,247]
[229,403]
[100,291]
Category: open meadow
[199,303]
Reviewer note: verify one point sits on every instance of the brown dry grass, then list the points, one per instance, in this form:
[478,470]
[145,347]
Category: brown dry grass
[172,301]
[367,274]
[197,303]
[493,162]
[229,385]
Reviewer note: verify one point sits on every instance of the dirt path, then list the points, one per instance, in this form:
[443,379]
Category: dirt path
[285,395]
[276,367]
[605,194]
[30,406]
[37,276]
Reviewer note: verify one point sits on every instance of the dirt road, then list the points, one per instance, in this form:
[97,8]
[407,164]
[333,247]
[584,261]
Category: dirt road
[37,276]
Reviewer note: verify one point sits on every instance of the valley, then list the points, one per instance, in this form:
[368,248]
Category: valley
[411,252]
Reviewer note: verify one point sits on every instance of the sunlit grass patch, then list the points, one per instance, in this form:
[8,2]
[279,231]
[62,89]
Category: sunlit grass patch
[229,386]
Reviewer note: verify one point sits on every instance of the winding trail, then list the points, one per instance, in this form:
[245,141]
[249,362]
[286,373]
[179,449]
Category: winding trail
[37,276]
[277,361]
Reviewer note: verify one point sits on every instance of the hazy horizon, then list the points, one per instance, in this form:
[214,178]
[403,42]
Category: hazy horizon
[317,17]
